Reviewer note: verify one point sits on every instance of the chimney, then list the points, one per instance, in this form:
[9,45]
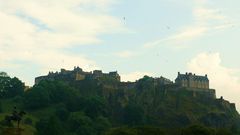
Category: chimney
[178,73]
[206,75]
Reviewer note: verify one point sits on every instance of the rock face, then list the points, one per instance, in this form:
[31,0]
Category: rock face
[174,106]
[189,81]
[160,101]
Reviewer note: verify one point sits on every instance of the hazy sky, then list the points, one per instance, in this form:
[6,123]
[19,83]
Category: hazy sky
[134,37]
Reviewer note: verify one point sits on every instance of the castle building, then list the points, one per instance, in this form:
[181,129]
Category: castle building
[162,81]
[77,74]
[190,80]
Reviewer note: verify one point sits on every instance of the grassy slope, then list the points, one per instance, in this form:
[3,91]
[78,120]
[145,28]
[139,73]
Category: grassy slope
[7,106]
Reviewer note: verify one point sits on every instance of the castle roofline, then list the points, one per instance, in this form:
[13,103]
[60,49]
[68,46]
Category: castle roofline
[187,75]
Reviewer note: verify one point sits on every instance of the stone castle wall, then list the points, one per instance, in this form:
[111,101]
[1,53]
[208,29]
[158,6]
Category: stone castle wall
[192,81]
[76,75]
[188,81]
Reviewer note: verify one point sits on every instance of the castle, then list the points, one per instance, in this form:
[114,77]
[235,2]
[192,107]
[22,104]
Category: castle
[162,81]
[198,85]
[77,74]
[188,80]
[192,81]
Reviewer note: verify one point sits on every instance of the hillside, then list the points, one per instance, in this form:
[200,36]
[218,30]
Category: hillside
[105,105]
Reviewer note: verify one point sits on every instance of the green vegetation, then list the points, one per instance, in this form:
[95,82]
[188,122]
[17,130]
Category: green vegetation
[10,87]
[102,107]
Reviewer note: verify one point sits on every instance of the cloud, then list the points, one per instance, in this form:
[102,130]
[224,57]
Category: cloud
[64,24]
[125,54]
[205,20]
[189,33]
[36,32]
[200,1]
[225,80]
[133,76]
[204,14]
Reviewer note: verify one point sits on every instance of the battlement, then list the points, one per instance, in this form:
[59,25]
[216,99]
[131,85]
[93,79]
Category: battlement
[77,74]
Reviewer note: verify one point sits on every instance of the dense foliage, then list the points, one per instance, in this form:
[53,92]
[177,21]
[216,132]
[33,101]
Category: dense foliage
[102,107]
[10,87]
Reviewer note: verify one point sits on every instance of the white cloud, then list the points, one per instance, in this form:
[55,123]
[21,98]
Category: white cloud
[205,14]
[65,26]
[205,20]
[200,1]
[225,80]
[125,54]
[133,76]
[187,34]
[36,31]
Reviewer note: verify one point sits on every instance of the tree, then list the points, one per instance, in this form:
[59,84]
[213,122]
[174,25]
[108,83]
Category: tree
[59,91]
[4,83]
[81,124]
[101,124]
[95,106]
[50,126]
[198,130]
[148,130]
[142,130]
[10,87]
[15,88]
[215,119]
[235,128]
[62,113]
[223,132]
[1,110]
[122,131]
[133,115]
[75,104]
[3,74]
[36,97]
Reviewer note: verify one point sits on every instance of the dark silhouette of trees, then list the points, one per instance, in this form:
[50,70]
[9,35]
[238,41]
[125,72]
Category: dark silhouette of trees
[10,87]
[198,130]
[50,126]
[133,115]
[1,110]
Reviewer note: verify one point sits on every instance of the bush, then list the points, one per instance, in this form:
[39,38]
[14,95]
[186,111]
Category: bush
[28,121]
[18,99]
[1,110]
[223,132]
[198,130]
[5,123]
[81,124]
[62,113]
[133,115]
[50,126]
[36,98]
[143,130]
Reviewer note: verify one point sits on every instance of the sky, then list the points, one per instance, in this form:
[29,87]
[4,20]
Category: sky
[135,38]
